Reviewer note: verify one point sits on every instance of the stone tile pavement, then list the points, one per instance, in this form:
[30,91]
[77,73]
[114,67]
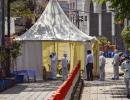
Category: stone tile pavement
[93,90]
[105,90]
[31,91]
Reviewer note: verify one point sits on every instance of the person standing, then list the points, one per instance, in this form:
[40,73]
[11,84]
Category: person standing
[89,65]
[64,62]
[116,61]
[102,61]
[53,65]
[125,66]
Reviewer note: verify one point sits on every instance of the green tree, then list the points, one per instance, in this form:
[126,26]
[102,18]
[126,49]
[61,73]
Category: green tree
[122,11]
[126,34]
[3,58]
[26,9]
[20,8]
[120,7]
[103,40]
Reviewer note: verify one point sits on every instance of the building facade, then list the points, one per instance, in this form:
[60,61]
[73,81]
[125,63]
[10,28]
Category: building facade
[100,21]
[96,20]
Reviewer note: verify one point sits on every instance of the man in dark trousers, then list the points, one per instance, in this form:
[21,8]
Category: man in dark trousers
[89,65]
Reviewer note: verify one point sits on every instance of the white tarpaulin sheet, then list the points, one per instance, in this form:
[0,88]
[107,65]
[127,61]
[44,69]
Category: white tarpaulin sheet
[54,25]
[31,57]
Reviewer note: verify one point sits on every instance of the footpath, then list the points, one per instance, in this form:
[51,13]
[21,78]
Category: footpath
[105,90]
[31,91]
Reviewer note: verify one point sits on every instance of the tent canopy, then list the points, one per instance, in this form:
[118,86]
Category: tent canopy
[54,25]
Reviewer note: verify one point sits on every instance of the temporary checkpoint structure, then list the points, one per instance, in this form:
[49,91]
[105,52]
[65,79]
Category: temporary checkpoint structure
[53,32]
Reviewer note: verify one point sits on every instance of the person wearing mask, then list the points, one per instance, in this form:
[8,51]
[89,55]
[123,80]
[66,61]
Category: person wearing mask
[64,63]
[116,61]
[102,61]
[89,65]
[125,66]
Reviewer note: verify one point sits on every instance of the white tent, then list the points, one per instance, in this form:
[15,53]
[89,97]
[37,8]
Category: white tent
[52,25]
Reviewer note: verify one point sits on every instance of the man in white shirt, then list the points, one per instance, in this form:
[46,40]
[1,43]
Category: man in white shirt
[89,65]
[102,61]
[125,66]
[116,61]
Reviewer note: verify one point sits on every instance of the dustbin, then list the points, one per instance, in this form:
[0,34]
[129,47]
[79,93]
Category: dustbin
[19,78]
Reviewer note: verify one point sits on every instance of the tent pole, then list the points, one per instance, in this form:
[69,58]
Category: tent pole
[54,46]
[57,49]
[70,55]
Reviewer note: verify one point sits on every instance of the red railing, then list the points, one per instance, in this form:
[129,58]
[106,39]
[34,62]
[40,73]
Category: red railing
[62,90]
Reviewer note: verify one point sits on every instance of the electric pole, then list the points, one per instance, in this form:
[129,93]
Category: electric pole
[8,62]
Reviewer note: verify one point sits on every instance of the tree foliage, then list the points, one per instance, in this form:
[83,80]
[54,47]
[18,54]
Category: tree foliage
[126,34]
[103,40]
[120,7]
[22,8]
[3,55]
[15,49]
[27,7]
[122,11]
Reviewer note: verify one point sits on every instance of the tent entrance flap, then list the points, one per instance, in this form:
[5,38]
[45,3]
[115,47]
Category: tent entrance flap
[74,51]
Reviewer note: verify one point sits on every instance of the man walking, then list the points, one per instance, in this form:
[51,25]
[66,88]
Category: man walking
[126,69]
[116,61]
[89,65]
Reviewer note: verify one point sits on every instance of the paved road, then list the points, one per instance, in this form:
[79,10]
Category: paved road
[107,90]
